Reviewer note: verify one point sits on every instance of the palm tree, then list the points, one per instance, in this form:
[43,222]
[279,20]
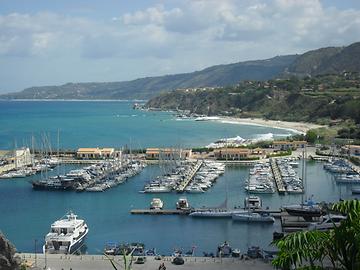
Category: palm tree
[340,245]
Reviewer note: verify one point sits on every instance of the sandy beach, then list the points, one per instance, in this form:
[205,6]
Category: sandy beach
[298,127]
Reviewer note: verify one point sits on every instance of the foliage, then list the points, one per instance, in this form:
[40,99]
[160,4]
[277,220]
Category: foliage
[340,245]
[280,154]
[311,136]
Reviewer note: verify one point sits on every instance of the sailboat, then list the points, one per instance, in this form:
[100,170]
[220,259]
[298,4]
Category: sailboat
[307,209]
[251,216]
[221,211]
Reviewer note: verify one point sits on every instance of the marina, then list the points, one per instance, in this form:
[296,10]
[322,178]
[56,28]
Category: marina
[121,214]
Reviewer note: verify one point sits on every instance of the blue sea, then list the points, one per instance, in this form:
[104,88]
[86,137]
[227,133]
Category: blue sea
[111,123]
[26,215]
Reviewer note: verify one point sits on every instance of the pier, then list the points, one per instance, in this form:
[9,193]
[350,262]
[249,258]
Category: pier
[189,176]
[159,212]
[277,176]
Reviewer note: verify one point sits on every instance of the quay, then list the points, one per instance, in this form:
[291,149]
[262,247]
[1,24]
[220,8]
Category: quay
[96,262]
[189,176]
[274,213]
[159,212]
[277,176]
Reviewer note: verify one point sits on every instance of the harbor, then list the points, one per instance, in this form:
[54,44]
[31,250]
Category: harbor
[122,214]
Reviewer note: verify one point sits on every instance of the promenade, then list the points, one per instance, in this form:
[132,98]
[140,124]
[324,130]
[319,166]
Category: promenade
[97,262]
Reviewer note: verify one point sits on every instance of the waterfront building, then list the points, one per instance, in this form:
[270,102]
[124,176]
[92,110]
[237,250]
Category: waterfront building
[232,153]
[353,150]
[168,153]
[96,153]
[287,145]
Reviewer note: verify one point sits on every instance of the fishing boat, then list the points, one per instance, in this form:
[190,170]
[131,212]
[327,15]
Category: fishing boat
[66,235]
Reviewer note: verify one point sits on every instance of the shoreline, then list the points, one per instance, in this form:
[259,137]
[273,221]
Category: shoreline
[297,127]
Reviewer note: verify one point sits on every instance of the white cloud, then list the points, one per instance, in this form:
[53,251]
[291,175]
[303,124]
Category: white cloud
[188,35]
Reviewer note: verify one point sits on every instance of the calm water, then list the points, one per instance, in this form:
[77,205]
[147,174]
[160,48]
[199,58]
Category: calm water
[26,214]
[116,124]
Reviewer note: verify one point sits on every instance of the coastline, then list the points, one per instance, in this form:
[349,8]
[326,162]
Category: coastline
[297,127]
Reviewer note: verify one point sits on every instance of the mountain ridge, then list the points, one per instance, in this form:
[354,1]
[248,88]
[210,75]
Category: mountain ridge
[315,62]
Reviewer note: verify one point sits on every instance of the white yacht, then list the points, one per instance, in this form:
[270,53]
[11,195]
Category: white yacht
[156,204]
[66,235]
[327,222]
[156,189]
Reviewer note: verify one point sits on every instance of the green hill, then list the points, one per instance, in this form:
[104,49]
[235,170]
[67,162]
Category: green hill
[319,99]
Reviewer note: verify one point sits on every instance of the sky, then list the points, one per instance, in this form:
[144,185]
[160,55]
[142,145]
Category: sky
[52,42]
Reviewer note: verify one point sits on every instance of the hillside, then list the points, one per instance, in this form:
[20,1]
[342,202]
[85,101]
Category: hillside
[318,99]
[331,60]
[145,88]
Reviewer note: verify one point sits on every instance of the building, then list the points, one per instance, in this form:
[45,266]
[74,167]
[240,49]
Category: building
[352,150]
[287,145]
[232,153]
[20,157]
[167,153]
[96,153]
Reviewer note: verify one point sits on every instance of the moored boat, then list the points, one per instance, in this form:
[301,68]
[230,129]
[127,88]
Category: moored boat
[66,236]
[156,204]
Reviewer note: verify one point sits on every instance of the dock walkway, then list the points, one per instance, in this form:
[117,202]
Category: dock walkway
[189,176]
[277,176]
[96,262]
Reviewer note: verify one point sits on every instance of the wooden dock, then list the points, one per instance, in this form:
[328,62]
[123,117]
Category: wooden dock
[277,176]
[158,212]
[190,176]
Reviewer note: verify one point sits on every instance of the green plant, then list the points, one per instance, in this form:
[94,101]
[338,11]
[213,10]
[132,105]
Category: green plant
[340,245]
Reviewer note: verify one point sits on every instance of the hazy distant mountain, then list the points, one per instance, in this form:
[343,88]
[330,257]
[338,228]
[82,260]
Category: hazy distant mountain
[144,88]
[321,61]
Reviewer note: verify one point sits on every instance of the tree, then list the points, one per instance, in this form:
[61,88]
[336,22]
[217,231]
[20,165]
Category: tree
[340,245]
[311,136]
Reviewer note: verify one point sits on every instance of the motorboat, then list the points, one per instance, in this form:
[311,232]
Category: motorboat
[355,190]
[182,204]
[156,189]
[252,202]
[327,222]
[253,217]
[111,248]
[66,235]
[307,210]
[224,250]
[156,204]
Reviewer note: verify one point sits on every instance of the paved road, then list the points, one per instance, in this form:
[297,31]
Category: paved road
[97,262]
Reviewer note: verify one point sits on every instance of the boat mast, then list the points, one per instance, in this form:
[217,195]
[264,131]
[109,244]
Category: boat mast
[303,177]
